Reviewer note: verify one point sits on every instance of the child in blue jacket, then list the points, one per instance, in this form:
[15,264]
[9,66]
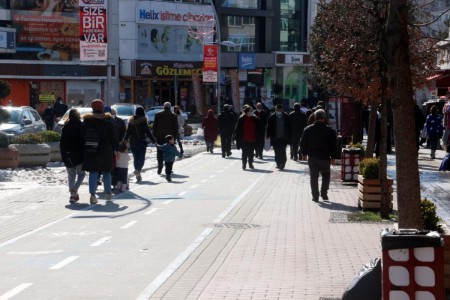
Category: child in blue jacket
[169,152]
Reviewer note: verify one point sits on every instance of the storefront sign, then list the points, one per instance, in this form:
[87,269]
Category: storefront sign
[93,28]
[209,76]
[167,68]
[46,97]
[172,13]
[247,61]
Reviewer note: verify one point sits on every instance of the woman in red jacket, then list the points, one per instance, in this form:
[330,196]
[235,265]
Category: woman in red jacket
[210,130]
[247,134]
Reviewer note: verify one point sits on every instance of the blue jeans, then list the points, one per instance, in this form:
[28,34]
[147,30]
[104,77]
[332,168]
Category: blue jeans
[138,151]
[75,177]
[93,177]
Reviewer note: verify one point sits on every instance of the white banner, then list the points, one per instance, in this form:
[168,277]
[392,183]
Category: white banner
[93,30]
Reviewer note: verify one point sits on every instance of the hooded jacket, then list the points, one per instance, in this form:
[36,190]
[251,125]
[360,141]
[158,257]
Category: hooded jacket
[71,144]
[138,130]
[102,159]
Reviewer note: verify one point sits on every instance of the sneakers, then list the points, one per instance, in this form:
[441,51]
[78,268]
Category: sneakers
[108,197]
[315,199]
[250,165]
[93,200]
[324,196]
[168,179]
[74,197]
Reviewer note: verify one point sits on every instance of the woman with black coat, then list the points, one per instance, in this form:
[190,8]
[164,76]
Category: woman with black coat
[137,132]
[71,146]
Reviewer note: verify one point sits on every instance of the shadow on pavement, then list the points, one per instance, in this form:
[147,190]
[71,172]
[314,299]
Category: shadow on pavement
[337,206]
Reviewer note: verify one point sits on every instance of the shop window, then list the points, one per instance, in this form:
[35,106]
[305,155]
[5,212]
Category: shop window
[234,21]
[245,4]
[248,20]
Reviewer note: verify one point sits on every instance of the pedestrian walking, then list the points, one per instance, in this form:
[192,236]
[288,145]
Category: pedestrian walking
[297,120]
[119,125]
[247,131]
[318,145]
[419,122]
[262,117]
[170,152]
[121,169]
[99,142]
[180,135]
[137,134]
[435,129]
[71,147]
[226,123]
[60,107]
[279,132]
[49,117]
[165,123]
[210,130]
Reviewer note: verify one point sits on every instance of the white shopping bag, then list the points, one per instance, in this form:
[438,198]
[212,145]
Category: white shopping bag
[267,144]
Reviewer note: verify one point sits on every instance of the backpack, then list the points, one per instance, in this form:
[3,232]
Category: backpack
[91,140]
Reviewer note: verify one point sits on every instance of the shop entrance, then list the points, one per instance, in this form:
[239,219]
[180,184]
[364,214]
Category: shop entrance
[163,94]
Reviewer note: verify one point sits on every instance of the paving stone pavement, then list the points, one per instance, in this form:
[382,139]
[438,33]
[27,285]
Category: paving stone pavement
[286,248]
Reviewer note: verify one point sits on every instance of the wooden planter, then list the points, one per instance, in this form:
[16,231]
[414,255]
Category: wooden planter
[55,152]
[33,154]
[9,158]
[446,238]
[370,193]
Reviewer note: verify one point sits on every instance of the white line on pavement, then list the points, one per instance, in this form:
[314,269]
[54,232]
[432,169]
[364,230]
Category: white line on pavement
[35,253]
[15,291]
[204,180]
[152,210]
[182,193]
[101,241]
[164,275]
[212,176]
[194,186]
[167,202]
[220,171]
[63,263]
[128,225]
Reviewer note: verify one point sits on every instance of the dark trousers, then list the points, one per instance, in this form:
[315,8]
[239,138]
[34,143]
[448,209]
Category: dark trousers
[248,150]
[225,141]
[160,155]
[169,166]
[317,166]
[294,147]
[138,150]
[279,147]
[259,147]
[180,144]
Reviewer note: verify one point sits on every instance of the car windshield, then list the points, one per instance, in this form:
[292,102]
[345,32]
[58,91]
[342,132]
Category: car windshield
[83,111]
[124,110]
[14,116]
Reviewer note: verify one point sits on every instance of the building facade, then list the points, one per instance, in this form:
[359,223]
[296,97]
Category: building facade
[40,55]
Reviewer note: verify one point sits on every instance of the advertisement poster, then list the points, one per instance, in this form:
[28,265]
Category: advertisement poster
[210,63]
[235,90]
[45,30]
[93,29]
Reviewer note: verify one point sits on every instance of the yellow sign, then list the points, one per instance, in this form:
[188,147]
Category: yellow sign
[46,97]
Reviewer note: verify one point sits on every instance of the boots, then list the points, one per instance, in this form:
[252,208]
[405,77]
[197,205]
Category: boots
[433,152]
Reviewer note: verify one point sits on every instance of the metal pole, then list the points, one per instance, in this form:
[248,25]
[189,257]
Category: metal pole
[219,41]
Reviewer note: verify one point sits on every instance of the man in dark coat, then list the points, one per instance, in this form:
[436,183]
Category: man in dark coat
[49,117]
[119,125]
[71,146]
[318,144]
[297,120]
[279,132]
[419,122]
[226,122]
[165,123]
[262,116]
[100,141]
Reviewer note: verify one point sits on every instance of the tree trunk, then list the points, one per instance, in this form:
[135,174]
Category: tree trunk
[372,128]
[357,123]
[396,54]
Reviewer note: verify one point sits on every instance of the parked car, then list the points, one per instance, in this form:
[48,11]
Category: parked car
[23,119]
[60,124]
[155,109]
[125,110]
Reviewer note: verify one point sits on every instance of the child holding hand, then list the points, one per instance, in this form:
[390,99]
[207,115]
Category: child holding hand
[121,169]
[169,152]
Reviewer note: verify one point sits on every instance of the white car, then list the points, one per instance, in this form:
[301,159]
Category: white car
[155,109]
[82,110]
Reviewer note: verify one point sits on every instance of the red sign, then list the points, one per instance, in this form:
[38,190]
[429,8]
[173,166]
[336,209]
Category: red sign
[210,55]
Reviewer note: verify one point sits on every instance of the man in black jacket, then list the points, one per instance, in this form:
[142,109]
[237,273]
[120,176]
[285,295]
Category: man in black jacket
[279,132]
[318,143]
[298,123]
[226,122]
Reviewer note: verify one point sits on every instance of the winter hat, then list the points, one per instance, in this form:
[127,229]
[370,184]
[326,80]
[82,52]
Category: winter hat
[139,112]
[97,105]
[107,109]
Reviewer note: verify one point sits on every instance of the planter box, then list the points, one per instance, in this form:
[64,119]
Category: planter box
[369,191]
[33,154]
[55,152]
[9,158]
[446,238]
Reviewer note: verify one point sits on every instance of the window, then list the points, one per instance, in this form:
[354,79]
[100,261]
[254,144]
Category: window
[35,115]
[245,4]
[248,20]
[234,21]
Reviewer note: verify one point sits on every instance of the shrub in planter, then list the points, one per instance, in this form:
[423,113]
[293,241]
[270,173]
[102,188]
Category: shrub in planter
[50,136]
[359,147]
[370,168]
[32,150]
[429,217]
